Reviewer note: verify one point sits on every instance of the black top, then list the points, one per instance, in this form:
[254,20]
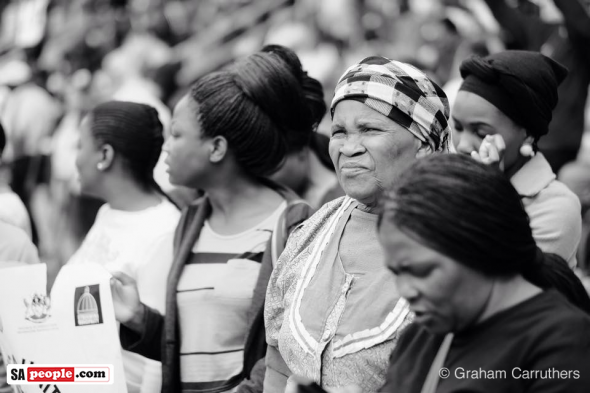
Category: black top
[539,345]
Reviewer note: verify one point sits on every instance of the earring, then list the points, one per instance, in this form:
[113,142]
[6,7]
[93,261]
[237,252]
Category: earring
[526,150]
[100,166]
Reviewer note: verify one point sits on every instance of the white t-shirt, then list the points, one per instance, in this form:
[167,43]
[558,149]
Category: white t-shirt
[14,212]
[140,245]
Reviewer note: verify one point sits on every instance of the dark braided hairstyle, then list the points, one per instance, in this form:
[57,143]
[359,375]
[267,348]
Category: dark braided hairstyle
[255,104]
[314,96]
[313,90]
[471,213]
[135,133]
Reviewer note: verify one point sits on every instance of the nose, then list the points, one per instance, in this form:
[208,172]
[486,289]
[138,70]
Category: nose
[166,146]
[352,146]
[406,289]
[466,142]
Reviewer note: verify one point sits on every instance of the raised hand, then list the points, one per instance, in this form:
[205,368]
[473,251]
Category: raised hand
[491,151]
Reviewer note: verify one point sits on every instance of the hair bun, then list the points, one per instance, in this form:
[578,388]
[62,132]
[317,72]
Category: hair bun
[313,90]
[273,87]
[258,104]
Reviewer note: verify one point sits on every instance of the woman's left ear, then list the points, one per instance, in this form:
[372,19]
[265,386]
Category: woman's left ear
[108,156]
[529,140]
[218,149]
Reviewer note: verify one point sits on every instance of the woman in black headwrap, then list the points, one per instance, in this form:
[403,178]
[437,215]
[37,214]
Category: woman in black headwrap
[502,109]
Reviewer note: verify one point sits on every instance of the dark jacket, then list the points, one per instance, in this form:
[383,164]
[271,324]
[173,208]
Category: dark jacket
[161,340]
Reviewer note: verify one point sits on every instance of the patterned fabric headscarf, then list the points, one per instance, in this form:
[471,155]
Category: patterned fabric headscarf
[401,92]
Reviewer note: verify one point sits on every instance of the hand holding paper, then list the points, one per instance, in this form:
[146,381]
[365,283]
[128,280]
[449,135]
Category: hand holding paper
[128,308]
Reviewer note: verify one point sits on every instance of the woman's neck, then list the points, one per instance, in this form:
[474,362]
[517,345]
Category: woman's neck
[131,197]
[240,203]
[507,293]
[520,162]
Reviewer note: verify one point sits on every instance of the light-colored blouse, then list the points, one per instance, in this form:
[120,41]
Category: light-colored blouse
[332,311]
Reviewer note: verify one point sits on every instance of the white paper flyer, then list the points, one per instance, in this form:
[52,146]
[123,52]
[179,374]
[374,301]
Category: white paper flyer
[75,325]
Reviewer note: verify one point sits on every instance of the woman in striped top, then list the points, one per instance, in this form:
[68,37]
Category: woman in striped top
[227,134]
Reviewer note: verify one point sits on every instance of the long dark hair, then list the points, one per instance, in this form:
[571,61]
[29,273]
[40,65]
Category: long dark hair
[254,104]
[471,213]
[135,133]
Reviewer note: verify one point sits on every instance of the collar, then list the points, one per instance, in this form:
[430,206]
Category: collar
[533,177]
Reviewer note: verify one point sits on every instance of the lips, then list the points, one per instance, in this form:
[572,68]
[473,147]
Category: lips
[351,166]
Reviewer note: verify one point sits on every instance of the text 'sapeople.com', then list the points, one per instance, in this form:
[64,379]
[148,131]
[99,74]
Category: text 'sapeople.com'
[21,374]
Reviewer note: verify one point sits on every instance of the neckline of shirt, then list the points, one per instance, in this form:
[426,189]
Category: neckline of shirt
[256,227]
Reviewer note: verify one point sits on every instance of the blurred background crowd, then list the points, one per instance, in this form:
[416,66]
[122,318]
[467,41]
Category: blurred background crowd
[60,58]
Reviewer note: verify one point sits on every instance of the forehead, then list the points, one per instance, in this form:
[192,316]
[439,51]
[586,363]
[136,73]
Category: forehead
[469,105]
[185,111]
[351,112]
[85,126]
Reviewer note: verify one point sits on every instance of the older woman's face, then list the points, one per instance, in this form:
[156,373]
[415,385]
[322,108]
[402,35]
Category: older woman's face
[445,295]
[368,150]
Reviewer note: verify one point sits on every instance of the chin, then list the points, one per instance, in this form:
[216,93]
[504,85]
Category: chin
[90,193]
[360,192]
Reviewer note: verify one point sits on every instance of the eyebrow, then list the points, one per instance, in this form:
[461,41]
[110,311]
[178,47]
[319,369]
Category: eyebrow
[370,122]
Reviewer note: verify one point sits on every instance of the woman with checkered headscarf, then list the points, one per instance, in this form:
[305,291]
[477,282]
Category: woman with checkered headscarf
[327,316]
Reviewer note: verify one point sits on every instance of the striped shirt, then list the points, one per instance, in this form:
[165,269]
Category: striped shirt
[214,295]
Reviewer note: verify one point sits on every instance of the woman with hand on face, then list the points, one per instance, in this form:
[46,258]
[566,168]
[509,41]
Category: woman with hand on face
[227,136]
[493,312]
[327,316]
[502,109]
[119,145]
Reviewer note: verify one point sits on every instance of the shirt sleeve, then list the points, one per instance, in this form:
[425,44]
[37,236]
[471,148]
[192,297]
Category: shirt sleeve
[18,247]
[556,222]
[274,310]
[147,344]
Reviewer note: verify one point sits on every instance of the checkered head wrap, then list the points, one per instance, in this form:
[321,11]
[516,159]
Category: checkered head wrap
[401,92]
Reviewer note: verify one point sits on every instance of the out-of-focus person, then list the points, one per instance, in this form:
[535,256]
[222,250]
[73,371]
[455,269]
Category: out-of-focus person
[119,145]
[12,208]
[15,248]
[27,141]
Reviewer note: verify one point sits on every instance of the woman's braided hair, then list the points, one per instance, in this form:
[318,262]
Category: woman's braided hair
[254,104]
[471,213]
[135,133]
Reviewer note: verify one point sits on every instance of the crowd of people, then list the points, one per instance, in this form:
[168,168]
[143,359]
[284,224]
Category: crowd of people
[352,194]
